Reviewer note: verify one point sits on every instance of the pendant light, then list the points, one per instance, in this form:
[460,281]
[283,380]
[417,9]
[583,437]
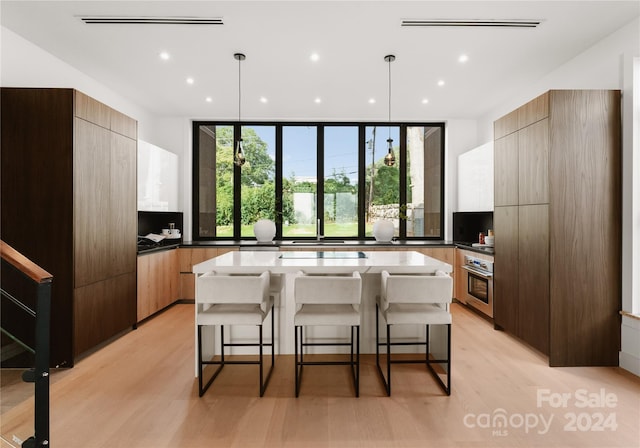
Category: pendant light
[390,158]
[238,156]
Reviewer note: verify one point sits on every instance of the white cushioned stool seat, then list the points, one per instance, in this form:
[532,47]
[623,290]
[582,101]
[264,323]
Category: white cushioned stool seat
[315,314]
[416,313]
[232,314]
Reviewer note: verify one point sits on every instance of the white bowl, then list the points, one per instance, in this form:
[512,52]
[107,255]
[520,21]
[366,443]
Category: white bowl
[488,240]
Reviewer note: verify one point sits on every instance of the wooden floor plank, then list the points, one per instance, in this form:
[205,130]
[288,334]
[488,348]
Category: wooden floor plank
[139,391]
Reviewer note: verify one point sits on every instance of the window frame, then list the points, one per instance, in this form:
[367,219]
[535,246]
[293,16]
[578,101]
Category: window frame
[320,126]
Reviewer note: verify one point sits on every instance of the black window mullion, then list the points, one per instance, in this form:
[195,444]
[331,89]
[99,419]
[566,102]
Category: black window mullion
[320,178]
[237,179]
[279,183]
[195,181]
[362,179]
[402,168]
[443,162]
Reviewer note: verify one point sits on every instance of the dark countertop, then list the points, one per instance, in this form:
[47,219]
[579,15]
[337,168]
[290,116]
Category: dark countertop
[144,249]
[480,250]
[251,245]
[254,245]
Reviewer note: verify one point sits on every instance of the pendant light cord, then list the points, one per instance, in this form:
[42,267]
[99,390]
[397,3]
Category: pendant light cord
[389,59]
[389,97]
[239,88]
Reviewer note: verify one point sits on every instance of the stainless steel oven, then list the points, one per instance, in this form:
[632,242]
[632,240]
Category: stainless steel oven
[479,283]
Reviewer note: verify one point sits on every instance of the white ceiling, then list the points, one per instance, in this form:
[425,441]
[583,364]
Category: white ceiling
[350,37]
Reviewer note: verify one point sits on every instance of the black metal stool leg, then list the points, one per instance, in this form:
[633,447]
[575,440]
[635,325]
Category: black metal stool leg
[297,386]
[358,361]
[222,344]
[200,392]
[448,390]
[261,361]
[388,360]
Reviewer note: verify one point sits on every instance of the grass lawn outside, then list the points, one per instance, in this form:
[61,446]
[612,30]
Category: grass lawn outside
[331,229]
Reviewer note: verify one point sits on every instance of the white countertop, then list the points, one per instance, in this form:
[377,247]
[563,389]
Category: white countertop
[254,261]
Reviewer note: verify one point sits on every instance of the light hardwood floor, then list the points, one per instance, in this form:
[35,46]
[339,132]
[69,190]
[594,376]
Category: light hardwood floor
[140,391]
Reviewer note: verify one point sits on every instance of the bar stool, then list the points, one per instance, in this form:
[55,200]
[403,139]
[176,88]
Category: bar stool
[327,300]
[414,300]
[234,300]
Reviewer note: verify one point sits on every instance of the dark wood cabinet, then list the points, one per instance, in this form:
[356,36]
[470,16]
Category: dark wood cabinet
[69,204]
[585,228]
[533,275]
[533,163]
[506,170]
[565,244]
[505,287]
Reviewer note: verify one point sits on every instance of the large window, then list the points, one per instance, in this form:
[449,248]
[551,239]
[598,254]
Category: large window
[316,179]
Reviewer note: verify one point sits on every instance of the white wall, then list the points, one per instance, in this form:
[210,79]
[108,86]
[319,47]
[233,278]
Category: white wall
[606,65]
[599,67]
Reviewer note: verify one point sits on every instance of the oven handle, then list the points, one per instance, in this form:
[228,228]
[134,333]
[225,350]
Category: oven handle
[478,272]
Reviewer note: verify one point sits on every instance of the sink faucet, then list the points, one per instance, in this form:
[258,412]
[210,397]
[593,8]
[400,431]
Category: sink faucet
[319,237]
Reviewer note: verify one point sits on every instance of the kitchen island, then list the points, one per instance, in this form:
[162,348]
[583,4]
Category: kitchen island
[283,267]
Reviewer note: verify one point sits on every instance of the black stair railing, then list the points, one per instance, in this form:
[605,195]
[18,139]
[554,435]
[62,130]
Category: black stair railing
[25,317]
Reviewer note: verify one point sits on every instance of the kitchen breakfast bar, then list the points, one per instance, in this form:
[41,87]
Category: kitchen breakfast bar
[283,265]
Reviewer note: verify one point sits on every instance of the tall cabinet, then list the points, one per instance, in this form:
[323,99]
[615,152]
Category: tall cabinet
[557,220]
[69,204]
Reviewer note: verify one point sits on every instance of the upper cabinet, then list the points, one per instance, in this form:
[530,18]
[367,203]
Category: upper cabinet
[521,154]
[506,170]
[533,163]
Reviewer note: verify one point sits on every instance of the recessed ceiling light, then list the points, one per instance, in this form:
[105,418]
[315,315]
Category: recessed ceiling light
[372,100]
[463,58]
[441,83]
[164,56]
[190,80]
[263,99]
[208,99]
[318,100]
[425,100]
[314,57]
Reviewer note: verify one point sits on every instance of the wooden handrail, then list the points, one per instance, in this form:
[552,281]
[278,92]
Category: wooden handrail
[22,263]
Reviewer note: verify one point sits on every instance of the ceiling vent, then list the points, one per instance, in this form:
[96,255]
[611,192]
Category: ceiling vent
[472,22]
[121,20]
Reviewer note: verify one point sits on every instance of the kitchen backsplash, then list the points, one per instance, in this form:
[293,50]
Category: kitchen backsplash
[154,222]
[468,225]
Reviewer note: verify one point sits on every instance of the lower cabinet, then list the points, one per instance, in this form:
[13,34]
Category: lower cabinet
[187,257]
[445,254]
[533,275]
[505,281]
[104,308]
[521,283]
[158,282]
